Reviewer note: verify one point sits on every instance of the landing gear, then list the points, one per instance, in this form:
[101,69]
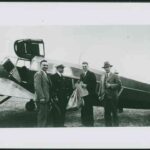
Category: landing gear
[30,106]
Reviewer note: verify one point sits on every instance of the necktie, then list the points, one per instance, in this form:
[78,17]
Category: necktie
[107,75]
[45,74]
[61,76]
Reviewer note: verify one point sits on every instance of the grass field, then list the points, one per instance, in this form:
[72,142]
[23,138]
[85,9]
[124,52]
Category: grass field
[13,114]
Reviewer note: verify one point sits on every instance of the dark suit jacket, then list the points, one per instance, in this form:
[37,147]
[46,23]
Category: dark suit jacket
[42,85]
[60,88]
[115,82]
[90,80]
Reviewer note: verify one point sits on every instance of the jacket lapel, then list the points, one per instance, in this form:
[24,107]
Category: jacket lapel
[49,80]
[58,76]
[45,76]
[110,76]
[85,76]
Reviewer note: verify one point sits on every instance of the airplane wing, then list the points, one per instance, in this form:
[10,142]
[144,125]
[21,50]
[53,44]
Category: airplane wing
[134,98]
[10,88]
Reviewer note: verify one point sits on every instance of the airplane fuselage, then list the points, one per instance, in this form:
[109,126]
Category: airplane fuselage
[134,94]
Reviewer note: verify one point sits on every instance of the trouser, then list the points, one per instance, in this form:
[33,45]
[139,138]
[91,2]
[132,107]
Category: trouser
[42,115]
[59,117]
[87,118]
[110,114]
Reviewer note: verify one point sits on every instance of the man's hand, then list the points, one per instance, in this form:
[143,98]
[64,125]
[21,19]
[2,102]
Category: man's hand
[55,99]
[108,85]
[42,100]
[37,105]
[100,98]
[68,97]
[84,85]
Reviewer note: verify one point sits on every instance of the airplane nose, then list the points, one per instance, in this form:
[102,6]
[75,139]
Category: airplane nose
[10,69]
[3,72]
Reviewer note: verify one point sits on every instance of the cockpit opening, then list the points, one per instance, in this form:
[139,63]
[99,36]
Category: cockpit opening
[28,48]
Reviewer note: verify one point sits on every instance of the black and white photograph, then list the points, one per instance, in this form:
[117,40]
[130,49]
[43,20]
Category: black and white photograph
[78,70]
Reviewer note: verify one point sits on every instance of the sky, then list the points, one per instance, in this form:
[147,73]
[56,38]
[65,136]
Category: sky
[127,48]
[76,33]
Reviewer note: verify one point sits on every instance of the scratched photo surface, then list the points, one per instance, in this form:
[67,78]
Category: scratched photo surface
[69,34]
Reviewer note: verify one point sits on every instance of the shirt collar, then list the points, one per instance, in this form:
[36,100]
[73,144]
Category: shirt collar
[59,73]
[44,72]
[85,72]
[108,73]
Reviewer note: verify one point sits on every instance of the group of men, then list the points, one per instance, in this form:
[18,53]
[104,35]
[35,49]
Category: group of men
[50,91]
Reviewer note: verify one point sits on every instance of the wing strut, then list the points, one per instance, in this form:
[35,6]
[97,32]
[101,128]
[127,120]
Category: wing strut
[5,99]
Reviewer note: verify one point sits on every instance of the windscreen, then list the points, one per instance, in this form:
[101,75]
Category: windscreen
[29,49]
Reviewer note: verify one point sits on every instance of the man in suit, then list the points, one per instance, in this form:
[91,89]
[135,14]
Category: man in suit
[42,85]
[112,84]
[60,90]
[89,82]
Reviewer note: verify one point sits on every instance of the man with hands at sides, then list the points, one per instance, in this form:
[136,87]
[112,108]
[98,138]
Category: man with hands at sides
[43,86]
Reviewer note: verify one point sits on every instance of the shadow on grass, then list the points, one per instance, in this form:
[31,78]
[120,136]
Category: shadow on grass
[9,119]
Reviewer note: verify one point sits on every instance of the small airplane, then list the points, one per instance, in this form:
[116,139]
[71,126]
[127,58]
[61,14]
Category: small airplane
[17,76]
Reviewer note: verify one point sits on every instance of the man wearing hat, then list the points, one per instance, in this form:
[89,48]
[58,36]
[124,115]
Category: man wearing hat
[89,82]
[112,84]
[60,94]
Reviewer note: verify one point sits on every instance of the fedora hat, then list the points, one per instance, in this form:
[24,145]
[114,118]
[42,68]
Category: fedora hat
[60,66]
[106,64]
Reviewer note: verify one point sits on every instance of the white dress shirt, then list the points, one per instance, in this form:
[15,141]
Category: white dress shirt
[107,74]
[44,73]
[85,73]
[59,74]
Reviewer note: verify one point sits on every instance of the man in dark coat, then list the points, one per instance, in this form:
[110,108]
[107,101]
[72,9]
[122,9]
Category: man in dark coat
[89,82]
[112,84]
[60,93]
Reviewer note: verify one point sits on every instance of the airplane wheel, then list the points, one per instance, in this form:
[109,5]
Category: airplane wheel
[30,106]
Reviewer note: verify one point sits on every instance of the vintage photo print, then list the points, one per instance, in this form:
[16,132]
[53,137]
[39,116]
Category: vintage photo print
[74,75]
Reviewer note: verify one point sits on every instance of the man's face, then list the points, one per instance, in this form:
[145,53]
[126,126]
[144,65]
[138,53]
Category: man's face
[44,66]
[85,67]
[61,70]
[107,69]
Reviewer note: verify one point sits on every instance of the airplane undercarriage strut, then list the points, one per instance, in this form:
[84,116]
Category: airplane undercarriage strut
[5,99]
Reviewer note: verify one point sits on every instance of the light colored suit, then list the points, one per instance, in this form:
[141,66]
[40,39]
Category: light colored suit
[101,91]
[110,96]
[115,83]
[42,85]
